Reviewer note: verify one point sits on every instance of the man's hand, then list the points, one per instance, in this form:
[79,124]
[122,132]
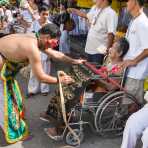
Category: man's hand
[64,78]
[77,12]
[127,63]
[71,10]
[79,61]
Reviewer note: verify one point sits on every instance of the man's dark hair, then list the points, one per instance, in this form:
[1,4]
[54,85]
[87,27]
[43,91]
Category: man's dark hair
[8,7]
[110,2]
[51,29]
[123,47]
[140,2]
[43,8]
[63,3]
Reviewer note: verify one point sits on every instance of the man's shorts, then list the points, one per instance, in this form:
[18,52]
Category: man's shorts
[136,88]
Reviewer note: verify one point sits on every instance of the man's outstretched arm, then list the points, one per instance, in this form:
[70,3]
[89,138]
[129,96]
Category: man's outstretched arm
[35,62]
[62,57]
[77,12]
[141,57]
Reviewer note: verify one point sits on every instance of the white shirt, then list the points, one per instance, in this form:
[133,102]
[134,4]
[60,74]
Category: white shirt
[36,25]
[137,36]
[9,16]
[1,12]
[92,13]
[106,22]
[27,17]
[46,2]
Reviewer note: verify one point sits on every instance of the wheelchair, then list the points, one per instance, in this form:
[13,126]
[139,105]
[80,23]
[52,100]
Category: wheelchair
[104,112]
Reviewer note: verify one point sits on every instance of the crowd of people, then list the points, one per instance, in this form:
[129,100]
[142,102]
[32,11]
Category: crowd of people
[37,34]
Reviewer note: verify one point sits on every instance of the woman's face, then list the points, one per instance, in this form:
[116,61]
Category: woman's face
[113,54]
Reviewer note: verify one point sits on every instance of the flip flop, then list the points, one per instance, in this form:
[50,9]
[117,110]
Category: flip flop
[56,138]
[47,118]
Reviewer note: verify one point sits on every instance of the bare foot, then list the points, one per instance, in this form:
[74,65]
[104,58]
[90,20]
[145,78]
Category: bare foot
[52,131]
[28,138]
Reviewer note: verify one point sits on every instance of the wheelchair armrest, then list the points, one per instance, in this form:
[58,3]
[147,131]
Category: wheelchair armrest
[115,76]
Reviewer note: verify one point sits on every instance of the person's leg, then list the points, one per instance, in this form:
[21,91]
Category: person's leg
[64,42]
[145,138]
[136,88]
[134,127]
[140,91]
[100,58]
[2,106]
[15,128]
[46,67]
[33,84]
[67,42]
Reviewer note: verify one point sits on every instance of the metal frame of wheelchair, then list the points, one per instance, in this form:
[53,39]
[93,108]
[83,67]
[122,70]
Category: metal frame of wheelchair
[108,115]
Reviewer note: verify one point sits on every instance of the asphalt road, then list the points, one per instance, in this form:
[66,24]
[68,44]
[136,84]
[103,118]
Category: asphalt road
[37,104]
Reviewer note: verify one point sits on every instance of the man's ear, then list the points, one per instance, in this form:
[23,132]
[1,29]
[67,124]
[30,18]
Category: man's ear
[120,54]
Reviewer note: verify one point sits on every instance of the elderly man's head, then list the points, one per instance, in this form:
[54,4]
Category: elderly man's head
[133,5]
[100,3]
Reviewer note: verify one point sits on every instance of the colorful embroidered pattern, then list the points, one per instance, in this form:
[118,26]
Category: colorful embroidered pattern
[14,128]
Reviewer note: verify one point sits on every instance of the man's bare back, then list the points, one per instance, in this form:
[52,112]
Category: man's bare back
[24,47]
[18,47]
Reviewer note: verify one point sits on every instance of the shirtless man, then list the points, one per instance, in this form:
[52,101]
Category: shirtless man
[15,50]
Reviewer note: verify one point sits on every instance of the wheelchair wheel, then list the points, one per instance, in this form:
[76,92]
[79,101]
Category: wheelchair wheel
[104,97]
[71,140]
[112,113]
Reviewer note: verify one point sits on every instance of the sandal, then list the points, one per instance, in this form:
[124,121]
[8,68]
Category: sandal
[56,138]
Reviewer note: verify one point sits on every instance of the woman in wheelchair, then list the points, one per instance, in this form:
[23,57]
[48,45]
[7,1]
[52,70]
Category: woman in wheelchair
[116,55]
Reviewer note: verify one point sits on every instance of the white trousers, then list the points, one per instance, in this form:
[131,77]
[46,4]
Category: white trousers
[64,45]
[136,127]
[34,85]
